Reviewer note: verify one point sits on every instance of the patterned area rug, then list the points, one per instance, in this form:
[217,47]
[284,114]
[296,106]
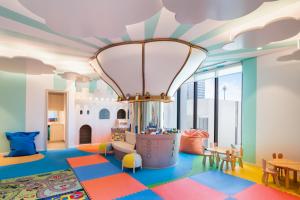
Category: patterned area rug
[61,184]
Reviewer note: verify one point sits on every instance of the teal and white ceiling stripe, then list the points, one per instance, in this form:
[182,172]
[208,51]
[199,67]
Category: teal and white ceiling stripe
[21,19]
[19,23]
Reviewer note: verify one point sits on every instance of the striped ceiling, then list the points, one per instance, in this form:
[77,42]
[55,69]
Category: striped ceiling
[22,33]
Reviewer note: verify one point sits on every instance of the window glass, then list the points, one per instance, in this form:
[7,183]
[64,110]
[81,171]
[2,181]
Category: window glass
[205,107]
[104,114]
[170,113]
[229,116]
[186,105]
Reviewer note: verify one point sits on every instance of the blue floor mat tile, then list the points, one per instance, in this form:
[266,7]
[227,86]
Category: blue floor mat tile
[230,198]
[96,171]
[54,160]
[156,176]
[222,182]
[143,195]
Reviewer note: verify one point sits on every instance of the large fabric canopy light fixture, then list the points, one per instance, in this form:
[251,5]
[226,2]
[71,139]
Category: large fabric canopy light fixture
[149,70]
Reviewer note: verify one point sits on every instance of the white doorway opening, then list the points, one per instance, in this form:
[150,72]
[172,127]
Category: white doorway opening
[56,117]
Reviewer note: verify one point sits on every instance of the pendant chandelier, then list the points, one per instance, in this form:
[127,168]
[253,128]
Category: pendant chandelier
[148,70]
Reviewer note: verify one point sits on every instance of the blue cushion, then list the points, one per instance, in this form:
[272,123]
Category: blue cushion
[21,143]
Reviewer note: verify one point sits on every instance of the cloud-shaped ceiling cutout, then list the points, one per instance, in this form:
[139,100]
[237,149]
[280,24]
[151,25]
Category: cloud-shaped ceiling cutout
[274,31]
[293,56]
[196,11]
[89,18]
[25,65]
[74,77]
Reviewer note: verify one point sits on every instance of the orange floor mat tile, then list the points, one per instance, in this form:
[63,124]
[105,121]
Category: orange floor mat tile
[112,187]
[86,160]
[91,148]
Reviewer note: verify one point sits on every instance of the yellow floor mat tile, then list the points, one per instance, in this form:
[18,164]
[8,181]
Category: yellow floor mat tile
[254,173]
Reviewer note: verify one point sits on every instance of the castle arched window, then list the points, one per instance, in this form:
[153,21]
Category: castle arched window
[88,112]
[104,114]
[80,112]
[121,114]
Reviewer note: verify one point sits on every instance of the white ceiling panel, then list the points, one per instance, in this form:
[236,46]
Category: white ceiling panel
[123,65]
[163,60]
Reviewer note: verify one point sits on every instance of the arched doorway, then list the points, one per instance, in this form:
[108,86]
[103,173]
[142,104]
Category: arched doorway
[121,114]
[85,134]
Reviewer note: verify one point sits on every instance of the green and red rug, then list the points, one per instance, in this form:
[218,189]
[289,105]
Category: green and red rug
[61,184]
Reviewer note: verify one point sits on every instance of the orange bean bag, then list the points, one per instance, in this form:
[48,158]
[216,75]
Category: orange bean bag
[192,141]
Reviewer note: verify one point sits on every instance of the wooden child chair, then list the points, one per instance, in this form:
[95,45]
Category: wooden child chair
[280,156]
[228,159]
[210,157]
[239,157]
[281,170]
[267,171]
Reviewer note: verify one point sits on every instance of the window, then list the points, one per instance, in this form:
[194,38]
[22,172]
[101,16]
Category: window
[213,103]
[151,114]
[80,112]
[170,113]
[205,106]
[186,105]
[88,112]
[121,114]
[230,96]
[104,114]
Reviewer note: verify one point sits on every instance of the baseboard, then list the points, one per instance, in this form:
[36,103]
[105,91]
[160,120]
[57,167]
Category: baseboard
[252,164]
[4,153]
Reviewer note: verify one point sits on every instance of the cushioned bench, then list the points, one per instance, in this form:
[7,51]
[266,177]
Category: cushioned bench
[121,148]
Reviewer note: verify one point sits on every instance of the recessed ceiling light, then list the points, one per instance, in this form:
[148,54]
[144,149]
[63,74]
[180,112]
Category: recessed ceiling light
[259,48]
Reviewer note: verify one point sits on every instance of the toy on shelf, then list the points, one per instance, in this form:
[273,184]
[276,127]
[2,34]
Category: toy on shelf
[158,131]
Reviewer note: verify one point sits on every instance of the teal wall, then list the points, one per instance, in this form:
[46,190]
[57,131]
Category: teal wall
[249,109]
[12,105]
[92,86]
[59,83]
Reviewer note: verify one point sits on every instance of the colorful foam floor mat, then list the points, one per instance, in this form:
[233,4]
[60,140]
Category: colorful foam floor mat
[102,178]
[53,160]
[61,184]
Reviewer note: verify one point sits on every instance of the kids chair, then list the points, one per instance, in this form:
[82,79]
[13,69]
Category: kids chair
[239,157]
[280,156]
[210,157]
[132,160]
[228,158]
[267,171]
[281,170]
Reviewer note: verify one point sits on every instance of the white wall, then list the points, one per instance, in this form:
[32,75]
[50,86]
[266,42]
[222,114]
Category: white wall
[278,107]
[36,86]
[101,129]
[71,125]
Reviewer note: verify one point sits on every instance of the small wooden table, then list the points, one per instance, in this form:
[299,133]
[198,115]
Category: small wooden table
[287,165]
[220,150]
[216,151]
